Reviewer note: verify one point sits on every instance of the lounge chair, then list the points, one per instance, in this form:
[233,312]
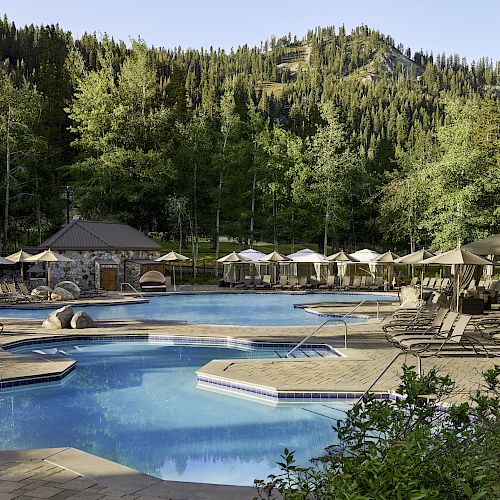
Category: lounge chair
[330,282]
[282,282]
[425,282]
[421,318]
[441,324]
[15,296]
[413,281]
[292,283]
[432,282]
[438,344]
[438,284]
[356,283]
[378,284]
[25,293]
[345,283]
[265,284]
[313,282]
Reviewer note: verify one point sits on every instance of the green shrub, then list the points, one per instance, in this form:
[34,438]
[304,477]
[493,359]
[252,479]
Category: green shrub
[412,448]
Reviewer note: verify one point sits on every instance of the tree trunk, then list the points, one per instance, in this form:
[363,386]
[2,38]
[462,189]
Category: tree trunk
[194,232]
[7,185]
[217,223]
[325,237]
[252,219]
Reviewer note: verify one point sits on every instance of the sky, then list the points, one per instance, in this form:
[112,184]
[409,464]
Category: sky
[469,28]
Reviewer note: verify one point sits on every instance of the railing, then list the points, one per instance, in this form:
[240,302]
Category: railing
[383,372]
[338,320]
[131,287]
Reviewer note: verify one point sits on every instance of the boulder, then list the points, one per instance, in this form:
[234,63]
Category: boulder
[71,287]
[58,319]
[81,320]
[59,294]
[41,291]
[410,296]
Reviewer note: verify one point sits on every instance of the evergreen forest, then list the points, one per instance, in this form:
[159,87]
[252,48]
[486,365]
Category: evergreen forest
[340,139]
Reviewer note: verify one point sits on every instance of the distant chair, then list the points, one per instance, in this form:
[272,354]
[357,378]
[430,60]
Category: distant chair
[153,281]
[414,281]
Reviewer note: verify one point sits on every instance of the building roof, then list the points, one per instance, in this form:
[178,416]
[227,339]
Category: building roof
[90,235]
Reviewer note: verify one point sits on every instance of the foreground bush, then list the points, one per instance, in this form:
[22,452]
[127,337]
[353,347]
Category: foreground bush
[411,448]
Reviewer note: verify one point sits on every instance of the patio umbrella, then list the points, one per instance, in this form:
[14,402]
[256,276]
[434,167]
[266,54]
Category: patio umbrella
[458,257]
[415,257]
[275,258]
[234,257]
[341,258]
[48,256]
[20,257]
[173,257]
[387,260]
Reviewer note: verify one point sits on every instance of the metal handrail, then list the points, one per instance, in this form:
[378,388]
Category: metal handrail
[383,372]
[134,289]
[338,320]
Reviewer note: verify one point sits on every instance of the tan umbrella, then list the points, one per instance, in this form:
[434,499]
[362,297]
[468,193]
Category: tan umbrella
[386,258]
[173,257]
[341,258]
[274,257]
[458,257]
[48,256]
[234,257]
[6,262]
[415,257]
[20,257]
[486,246]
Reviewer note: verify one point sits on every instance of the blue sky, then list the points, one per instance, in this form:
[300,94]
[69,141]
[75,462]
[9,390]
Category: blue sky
[469,28]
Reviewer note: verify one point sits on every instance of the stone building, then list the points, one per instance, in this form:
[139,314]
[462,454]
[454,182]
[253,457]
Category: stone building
[104,254]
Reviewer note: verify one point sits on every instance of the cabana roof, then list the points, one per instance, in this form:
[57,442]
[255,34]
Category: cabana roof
[308,256]
[365,256]
[252,255]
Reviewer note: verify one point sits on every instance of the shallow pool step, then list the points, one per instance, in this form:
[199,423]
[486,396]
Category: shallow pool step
[305,353]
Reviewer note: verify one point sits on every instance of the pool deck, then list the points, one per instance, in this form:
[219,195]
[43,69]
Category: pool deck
[352,373]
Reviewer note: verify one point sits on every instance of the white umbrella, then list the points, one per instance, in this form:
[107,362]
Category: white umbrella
[173,257]
[234,257]
[20,257]
[48,256]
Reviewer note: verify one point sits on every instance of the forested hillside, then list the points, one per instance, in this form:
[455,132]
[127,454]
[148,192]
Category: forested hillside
[341,138]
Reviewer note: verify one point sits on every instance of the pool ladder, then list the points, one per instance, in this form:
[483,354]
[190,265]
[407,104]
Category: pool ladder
[134,289]
[335,320]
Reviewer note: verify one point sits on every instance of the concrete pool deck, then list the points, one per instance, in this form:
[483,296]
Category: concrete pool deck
[368,353]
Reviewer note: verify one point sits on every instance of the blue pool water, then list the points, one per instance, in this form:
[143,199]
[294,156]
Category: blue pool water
[137,404]
[220,309]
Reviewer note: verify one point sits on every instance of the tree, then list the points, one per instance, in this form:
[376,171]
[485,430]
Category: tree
[21,146]
[463,183]
[332,174]
[229,129]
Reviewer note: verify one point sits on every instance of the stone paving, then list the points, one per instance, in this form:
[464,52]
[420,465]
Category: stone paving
[368,353]
[61,473]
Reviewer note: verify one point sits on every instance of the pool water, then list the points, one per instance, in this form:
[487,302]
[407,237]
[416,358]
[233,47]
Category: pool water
[136,403]
[219,308]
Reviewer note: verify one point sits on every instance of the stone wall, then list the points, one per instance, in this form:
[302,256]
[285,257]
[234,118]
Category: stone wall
[83,270]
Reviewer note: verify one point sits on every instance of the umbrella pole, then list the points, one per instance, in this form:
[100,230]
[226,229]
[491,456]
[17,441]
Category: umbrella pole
[173,272]
[458,286]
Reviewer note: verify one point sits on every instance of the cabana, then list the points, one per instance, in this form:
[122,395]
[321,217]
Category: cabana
[236,266]
[305,264]
[271,262]
[489,247]
[385,262]
[365,265]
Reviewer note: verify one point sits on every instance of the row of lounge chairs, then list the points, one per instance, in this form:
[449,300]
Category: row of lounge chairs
[439,284]
[431,330]
[16,294]
[366,283]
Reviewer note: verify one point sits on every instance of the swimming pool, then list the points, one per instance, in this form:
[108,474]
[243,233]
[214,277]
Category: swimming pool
[136,403]
[258,309]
